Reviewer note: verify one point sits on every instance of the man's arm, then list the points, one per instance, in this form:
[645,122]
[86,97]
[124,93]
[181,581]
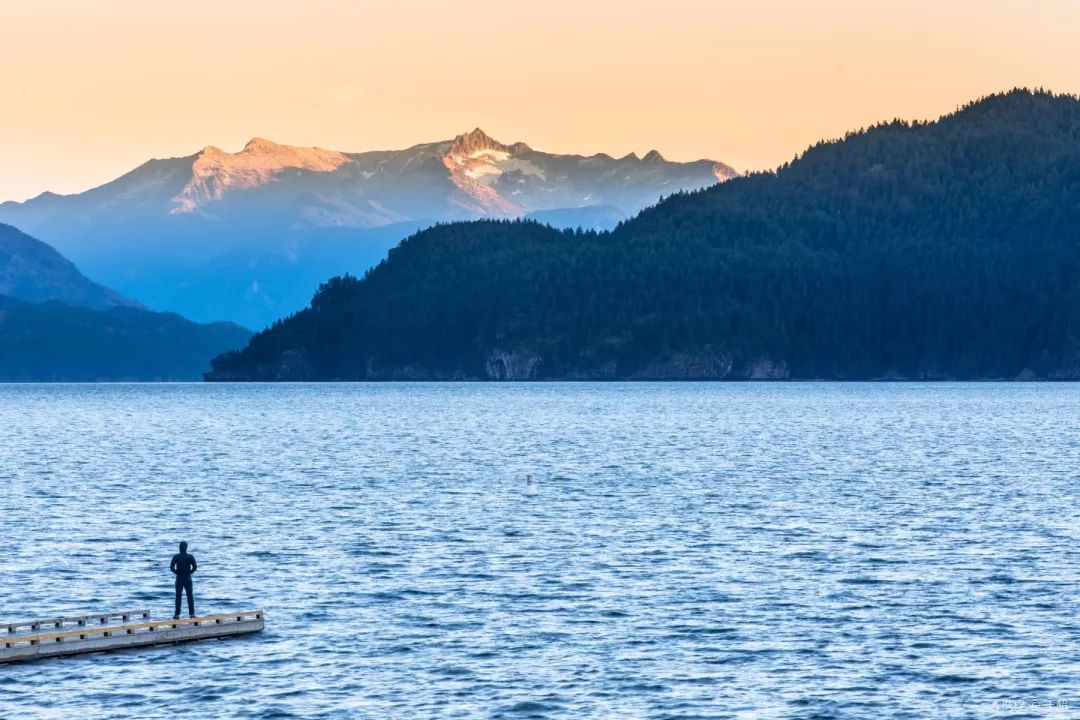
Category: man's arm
[194,565]
[172,565]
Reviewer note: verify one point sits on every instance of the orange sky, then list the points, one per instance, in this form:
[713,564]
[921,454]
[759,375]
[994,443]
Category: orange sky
[92,89]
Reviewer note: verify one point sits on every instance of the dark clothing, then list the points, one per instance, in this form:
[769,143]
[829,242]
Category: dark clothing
[184,585]
[183,566]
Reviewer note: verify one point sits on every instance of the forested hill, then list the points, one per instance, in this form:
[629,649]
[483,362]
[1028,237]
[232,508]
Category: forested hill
[948,249]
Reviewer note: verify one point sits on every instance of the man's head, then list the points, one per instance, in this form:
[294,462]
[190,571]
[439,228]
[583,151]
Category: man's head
[183,547]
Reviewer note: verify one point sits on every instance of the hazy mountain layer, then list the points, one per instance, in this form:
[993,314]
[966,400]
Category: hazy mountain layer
[53,342]
[55,325]
[33,271]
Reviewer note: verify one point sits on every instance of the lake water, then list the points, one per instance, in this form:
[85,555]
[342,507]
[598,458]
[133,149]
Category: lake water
[695,550]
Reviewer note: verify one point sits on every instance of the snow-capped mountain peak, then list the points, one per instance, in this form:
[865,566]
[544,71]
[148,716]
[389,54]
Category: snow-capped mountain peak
[476,161]
[484,177]
[477,142]
[216,172]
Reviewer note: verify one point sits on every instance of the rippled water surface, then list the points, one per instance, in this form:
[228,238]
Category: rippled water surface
[714,550]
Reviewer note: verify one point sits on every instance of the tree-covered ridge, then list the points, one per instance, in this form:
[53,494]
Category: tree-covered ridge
[915,250]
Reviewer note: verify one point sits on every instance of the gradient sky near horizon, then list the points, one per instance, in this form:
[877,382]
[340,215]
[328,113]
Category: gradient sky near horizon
[93,89]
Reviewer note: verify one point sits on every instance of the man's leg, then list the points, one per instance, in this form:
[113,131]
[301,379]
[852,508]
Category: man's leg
[190,598]
[179,587]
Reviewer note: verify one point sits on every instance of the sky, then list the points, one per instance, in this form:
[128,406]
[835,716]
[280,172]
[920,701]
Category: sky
[89,90]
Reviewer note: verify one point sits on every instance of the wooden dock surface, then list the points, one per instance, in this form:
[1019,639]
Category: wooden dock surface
[93,633]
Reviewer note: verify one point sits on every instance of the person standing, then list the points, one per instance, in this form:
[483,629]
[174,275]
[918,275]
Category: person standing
[183,566]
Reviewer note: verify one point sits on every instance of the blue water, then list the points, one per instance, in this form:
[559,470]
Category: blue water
[712,550]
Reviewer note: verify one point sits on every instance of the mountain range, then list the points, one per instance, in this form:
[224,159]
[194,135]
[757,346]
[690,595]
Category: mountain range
[57,325]
[248,236]
[927,250]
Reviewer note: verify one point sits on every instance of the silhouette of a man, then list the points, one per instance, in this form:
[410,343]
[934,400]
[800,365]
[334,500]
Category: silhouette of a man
[183,566]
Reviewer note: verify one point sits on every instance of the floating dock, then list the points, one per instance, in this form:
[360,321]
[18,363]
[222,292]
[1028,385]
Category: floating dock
[78,634]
